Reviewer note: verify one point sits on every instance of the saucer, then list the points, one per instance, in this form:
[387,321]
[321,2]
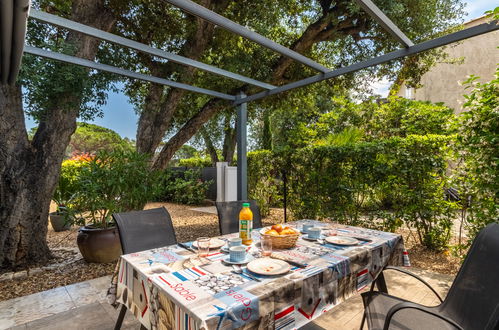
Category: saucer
[245,261]
[305,237]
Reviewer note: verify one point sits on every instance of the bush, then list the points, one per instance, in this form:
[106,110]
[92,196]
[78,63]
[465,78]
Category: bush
[403,117]
[195,162]
[478,142]
[184,187]
[262,183]
[380,184]
[113,182]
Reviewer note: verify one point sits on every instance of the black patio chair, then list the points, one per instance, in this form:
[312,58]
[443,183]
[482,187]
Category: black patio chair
[471,303]
[228,215]
[143,230]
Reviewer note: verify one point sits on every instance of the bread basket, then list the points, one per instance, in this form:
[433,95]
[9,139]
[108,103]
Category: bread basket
[282,241]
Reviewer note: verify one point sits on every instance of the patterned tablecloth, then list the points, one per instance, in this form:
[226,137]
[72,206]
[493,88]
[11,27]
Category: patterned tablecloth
[171,288]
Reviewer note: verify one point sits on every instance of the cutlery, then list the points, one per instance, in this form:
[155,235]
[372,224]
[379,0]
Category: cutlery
[182,245]
[291,262]
[239,270]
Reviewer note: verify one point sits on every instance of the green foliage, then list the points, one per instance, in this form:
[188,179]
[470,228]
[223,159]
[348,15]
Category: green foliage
[184,187]
[90,138]
[116,181]
[195,162]
[381,184]
[402,117]
[339,120]
[478,141]
[262,183]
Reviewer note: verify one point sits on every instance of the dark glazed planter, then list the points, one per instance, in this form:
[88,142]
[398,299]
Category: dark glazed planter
[58,222]
[99,245]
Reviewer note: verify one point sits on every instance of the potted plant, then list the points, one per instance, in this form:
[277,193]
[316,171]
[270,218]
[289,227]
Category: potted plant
[111,182]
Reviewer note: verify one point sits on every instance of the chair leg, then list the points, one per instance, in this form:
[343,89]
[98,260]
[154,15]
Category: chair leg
[119,321]
[363,320]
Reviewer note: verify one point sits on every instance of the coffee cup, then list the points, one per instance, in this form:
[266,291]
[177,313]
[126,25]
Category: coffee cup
[314,233]
[237,253]
[306,227]
[234,241]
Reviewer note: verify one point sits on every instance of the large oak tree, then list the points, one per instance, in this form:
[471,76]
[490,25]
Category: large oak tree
[29,169]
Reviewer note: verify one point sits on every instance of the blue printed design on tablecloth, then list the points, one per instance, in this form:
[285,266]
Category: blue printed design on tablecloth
[339,263]
[242,306]
[166,257]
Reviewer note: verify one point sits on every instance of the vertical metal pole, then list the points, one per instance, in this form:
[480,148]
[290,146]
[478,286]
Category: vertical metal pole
[242,163]
[285,201]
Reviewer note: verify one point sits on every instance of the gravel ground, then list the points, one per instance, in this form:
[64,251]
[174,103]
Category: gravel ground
[188,226]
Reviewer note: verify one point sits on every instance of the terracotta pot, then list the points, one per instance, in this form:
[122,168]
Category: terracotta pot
[99,245]
[58,222]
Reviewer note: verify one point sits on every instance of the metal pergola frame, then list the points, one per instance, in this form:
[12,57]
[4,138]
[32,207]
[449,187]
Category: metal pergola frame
[240,100]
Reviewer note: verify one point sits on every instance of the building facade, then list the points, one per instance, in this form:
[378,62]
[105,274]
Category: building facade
[443,83]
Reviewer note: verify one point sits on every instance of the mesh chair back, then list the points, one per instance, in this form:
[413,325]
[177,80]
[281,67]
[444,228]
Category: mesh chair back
[144,230]
[473,299]
[228,215]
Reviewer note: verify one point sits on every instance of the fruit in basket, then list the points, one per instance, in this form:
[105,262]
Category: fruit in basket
[287,231]
[272,232]
[278,228]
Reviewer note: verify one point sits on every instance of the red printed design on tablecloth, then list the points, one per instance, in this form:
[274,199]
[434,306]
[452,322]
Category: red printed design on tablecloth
[362,279]
[311,315]
[285,318]
[185,293]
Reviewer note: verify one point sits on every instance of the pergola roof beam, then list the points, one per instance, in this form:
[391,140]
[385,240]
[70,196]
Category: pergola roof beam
[85,29]
[385,22]
[421,47]
[108,68]
[210,16]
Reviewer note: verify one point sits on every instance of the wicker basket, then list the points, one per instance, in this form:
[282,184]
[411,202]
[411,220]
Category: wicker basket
[282,241]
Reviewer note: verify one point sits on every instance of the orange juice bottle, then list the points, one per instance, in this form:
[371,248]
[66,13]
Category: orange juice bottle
[246,224]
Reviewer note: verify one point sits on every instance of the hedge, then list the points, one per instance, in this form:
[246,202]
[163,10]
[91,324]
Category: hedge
[380,184]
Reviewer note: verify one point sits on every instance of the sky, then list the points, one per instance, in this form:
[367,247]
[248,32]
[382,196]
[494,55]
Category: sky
[120,116]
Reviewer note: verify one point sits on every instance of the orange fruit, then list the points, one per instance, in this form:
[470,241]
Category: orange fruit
[287,231]
[277,228]
[271,232]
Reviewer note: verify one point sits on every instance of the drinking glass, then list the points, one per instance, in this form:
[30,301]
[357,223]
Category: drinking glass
[266,245]
[333,231]
[203,246]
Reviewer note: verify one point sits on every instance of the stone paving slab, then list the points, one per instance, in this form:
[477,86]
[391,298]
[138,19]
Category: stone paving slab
[83,305]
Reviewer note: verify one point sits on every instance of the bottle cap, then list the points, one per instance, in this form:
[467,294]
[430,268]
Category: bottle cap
[246,204]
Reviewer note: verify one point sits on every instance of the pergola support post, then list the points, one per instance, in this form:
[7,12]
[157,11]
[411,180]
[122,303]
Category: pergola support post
[242,162]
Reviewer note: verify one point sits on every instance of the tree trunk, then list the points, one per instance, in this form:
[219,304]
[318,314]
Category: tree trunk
[29,170]
[230,140]
[210,148]
[158,111]
[190,128]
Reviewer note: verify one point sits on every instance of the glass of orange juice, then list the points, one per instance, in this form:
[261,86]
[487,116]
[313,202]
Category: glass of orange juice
[266,245]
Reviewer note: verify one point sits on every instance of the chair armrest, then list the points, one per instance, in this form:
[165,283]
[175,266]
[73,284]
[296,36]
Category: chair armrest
[406,305]
[416,277]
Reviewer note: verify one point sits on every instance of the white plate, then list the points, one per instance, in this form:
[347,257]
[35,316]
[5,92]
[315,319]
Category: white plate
[342,240]
[245,261]
[269,266]
[215,243]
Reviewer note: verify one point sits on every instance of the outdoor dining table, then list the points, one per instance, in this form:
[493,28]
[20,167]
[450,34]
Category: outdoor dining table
[173,288]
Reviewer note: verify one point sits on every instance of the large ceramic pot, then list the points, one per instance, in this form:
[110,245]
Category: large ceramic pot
[58,222]
[99,244]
